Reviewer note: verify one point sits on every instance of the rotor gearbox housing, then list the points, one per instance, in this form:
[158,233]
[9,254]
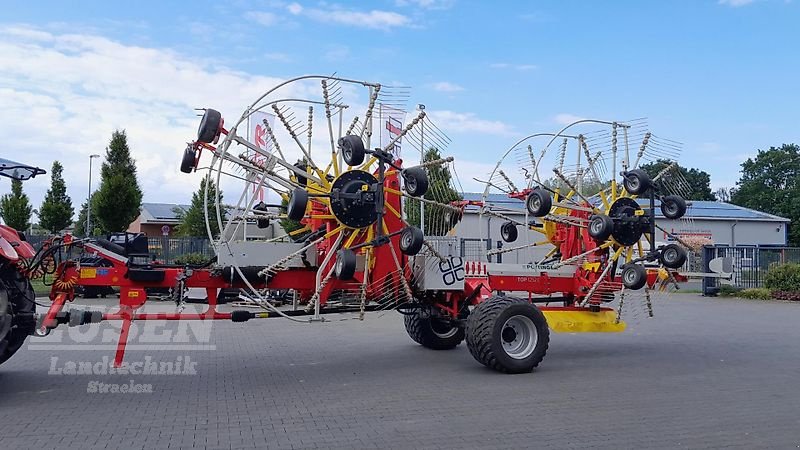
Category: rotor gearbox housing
[434,274]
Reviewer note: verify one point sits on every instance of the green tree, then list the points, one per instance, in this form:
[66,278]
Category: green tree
[193,219]
[15,208]
[80,223]
[699,180]
[438,220]
[56,211]
[290,225]
[119,198]
[770,182]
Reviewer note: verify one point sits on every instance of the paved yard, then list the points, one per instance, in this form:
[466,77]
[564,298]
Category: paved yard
[704,373]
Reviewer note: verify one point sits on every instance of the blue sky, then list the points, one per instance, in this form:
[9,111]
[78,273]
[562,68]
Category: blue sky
[719,76]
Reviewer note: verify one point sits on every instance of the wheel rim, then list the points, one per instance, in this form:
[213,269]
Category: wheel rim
[406,240]
[633,183]
[443,330]
[629,276]
[411,185]
[535,203]
[671,255]
[339,265]
[597,226]
[671,208]
[519,337]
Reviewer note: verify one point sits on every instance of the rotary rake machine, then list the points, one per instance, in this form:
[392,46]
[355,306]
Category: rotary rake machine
[353,216]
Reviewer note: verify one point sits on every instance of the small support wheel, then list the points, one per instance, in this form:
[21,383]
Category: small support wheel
[673,207]
[539,203]
[411,240]
[345,266]
[433,332]
[600,227]
[672,256]
[296,208]
[188,161]
[508,231]
[636,181]
[261,222]
[416,181]
[210,126]
[353,151]
[507,334]
[634,276]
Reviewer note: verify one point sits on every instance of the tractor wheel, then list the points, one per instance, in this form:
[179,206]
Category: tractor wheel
[187,163]
[637,181]
[432,332]
[416,181]
[345,266]
[634,276]
[296,208]
[352,149]
[672,256]
[539,203]
[600,227]
[209,126]
[411,240]
[673,207]
[508,231]
[507,335]
[17,319]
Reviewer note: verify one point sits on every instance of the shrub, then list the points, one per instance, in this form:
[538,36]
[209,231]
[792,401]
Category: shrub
[784,277]
[755,294]
[728,290]
[786,295]
[192,258]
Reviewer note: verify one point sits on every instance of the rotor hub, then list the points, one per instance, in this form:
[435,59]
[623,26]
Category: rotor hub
[629,222]
[354,198]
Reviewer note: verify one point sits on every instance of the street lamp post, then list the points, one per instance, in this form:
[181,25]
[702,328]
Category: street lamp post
[89,199]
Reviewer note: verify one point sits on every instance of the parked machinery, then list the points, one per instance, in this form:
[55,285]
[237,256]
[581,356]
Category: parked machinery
[357,213]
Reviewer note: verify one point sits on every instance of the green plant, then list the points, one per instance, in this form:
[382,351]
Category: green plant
[783,277]
[786,295]
[729,290]
[192,258]
[755,294]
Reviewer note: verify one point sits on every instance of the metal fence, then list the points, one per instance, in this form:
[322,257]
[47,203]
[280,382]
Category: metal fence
[167,249]
[750,264]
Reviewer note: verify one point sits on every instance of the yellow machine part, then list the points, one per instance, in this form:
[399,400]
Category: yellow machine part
[570,321]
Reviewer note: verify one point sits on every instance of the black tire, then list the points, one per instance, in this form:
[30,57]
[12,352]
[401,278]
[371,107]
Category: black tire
[345,266]
[209,126]
[672,256]
[352,148]
[673,207]
[539,203]
[411,240]
[301,180]
[634,276]
[508,231]
[296,208]
[187,163]
[416,181]
[20,309]
[261,222]
[488,333]
[637,181]
[600,227]
[432,332]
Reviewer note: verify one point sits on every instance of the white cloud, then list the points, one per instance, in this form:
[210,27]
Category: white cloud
[374,19]
[266,19]
[444,86]
[427,4]
[513,66]
[566,118]
[735,3]
[469,123]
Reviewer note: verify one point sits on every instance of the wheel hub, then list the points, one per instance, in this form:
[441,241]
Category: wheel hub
[354,199]
[519,337]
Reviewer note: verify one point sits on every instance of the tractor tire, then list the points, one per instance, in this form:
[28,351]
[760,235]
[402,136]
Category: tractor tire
[209,127]
[600,227]
[188,160]
[411,241]
[507,334]
[432,333]
[20,310]
[296,209]
[672,256]
[634,276]
[345,266]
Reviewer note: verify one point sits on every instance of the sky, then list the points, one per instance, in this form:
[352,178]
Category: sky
[720,76]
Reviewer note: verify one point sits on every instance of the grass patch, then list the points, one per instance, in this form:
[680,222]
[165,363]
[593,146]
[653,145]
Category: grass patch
[40,288]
